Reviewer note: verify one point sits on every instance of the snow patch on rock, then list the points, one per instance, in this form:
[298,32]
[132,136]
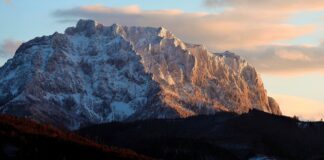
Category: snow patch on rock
[94,73]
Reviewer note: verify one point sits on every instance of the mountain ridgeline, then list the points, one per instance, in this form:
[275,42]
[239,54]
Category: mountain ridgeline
[94,74]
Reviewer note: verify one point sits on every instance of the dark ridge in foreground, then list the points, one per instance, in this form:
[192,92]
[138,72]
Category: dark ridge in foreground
[27,139]
[221,136]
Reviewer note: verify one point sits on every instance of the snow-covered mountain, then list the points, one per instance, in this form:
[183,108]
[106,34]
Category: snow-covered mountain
[94,73]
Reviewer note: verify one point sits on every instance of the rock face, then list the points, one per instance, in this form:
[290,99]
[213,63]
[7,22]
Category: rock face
[94,73]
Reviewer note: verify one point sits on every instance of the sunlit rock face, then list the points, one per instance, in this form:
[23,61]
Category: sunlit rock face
[94,73]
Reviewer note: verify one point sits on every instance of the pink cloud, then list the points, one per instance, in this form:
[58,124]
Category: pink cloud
[276,5]
[288,60]
[8,48]
[133,9]
[292,55]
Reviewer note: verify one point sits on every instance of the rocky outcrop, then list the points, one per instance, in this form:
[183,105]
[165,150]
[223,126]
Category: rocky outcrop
[94,73]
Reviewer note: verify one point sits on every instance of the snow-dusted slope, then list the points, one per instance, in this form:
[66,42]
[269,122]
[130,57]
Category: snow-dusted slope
[95,73]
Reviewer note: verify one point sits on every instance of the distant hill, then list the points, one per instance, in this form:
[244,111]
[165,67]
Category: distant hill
[221,136]
[23,139]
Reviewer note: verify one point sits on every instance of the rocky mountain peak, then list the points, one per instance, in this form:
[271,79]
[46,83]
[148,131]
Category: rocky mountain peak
[85,26]
[163,32]
[94,73]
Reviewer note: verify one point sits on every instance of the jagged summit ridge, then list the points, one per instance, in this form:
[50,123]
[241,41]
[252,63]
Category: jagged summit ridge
[94,73]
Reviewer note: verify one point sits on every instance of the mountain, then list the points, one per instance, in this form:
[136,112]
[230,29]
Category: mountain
[26,139]
[225,135]
[94,74]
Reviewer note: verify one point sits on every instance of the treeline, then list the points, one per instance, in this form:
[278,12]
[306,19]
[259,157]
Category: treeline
[28,139]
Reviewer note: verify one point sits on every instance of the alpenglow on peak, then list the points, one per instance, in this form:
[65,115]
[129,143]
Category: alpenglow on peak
[94,73]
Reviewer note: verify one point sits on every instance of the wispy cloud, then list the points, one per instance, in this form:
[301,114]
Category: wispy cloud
[288,60]
[7,1]
[275,5]
[292,55]
[8,48]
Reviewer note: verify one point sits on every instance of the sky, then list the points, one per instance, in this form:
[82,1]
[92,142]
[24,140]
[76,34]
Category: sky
[284,40]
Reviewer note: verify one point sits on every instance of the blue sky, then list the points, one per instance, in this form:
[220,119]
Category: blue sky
[282,39]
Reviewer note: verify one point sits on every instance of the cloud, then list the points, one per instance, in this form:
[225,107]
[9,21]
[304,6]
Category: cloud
[133,9]
[305,109]
[292,55]
[223,31]
[7,1]
[8,48]
[275,5]
[288,60]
